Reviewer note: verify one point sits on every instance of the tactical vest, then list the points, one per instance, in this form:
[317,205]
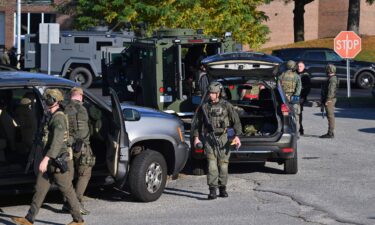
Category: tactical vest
[48,136]
[78,122]
[288,82]
[218,116]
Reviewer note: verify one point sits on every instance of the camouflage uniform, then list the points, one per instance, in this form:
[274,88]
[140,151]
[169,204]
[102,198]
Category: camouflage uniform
[222,116]
[84,159]
[328,94]
[56,145]
[291,84]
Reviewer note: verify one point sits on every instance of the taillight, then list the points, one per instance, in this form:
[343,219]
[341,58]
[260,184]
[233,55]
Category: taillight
[287,150]
[200,151]
[231,87]
[285,109]
[161,89]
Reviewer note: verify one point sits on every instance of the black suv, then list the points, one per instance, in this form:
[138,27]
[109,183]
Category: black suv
[268,121]
[361,73]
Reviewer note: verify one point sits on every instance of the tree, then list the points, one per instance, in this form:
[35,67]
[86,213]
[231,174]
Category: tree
[299,19]
[354,12]
[215,17]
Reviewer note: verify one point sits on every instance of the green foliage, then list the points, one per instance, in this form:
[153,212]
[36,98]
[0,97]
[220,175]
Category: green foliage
[215,17]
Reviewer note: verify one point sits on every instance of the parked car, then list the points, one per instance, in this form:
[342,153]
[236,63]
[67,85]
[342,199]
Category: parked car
[138,153]
[268,121]
[361,73]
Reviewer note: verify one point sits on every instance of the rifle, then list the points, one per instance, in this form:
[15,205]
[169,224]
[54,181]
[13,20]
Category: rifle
[210,132]
[38,141]
[322,100]
[322,110]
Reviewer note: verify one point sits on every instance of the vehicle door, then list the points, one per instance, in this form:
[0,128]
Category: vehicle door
[118,148]
[340,64]
[315,61]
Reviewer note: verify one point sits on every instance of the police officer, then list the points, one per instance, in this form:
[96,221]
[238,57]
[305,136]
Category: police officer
[49,172]
[306,87]
[221,115]
[291,84]
[79,140]
[328,97]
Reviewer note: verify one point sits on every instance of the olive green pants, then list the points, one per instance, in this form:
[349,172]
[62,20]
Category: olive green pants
[330,110]
[83,174]
[297,112]
[43,184]
[217,165]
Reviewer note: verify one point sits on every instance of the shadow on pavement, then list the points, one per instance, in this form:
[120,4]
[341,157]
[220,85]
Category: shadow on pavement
[240,168]
[8,221]
[367,130]
[185,193]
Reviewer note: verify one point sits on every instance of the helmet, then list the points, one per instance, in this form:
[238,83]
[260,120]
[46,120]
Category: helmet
[291,65]
[214,87]
[77,90]
[330,68]
[53,95]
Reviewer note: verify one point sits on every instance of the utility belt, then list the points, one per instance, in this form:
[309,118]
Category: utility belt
[59,164]
[84,157]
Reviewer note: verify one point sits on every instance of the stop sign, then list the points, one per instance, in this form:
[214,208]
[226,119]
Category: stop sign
[347,44]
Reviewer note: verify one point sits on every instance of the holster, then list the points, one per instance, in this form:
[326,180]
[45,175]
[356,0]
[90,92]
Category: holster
[77,146]
[59,164]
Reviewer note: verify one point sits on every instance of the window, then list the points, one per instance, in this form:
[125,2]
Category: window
[81,40]
[99,44]
[332,56]
[314,56]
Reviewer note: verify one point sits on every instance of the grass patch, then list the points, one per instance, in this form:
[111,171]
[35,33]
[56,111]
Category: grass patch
[355,102]
[367,53]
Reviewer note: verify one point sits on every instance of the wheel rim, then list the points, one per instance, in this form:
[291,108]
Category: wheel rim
[80,78]
[154,177]
[366,81]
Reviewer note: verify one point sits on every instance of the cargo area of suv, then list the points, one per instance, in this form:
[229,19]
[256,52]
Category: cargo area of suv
[268,122]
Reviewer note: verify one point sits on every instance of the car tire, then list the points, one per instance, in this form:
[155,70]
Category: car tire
[198,166]
[81,75]
[148,176]
[291,165]
[365,80]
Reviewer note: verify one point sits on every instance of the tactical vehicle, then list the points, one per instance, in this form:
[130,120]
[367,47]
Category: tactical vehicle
[268,121]
[77,56]
[132,150]
[162,71]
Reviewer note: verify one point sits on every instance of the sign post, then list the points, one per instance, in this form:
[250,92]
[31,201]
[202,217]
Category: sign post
[49,33]
[347,44]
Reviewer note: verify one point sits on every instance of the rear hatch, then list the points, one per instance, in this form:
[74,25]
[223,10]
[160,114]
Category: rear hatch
[249,81]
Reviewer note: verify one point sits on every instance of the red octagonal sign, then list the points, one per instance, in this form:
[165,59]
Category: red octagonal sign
[347,44]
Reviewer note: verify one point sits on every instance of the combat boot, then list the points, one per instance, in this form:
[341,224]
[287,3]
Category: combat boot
[328,135]
[223,192]
[212,194]
[77,223]
[21,221]
[82,210]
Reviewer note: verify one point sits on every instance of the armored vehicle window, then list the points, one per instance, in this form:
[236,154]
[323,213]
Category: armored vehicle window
[99,44]
[81,40]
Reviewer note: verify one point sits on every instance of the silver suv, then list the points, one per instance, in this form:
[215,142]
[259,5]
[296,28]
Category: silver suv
[139,153]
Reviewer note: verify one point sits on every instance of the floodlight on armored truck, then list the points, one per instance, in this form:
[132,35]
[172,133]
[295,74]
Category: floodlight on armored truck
[177,41]
[213,39]
[228,34]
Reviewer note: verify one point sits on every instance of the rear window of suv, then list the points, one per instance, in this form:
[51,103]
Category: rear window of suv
[287,54]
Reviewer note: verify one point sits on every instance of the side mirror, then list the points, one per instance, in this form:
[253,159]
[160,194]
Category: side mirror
[131,115]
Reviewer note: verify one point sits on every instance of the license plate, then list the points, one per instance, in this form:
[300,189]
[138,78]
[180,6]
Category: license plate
[166,98]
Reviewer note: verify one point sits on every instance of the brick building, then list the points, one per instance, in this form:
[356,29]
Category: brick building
[33,13]
[323,19]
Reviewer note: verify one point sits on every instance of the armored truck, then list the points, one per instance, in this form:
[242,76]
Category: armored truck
[77,56]
[162,71]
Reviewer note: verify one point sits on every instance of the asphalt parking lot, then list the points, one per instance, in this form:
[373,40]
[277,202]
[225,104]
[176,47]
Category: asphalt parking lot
[334,186]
